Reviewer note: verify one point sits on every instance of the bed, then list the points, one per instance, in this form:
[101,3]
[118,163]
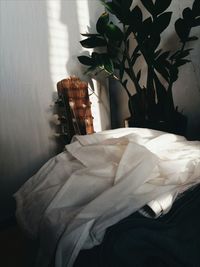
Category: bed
[86,205]
[172,240]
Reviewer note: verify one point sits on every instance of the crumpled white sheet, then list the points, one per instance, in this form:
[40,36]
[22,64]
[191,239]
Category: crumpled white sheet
[100,179]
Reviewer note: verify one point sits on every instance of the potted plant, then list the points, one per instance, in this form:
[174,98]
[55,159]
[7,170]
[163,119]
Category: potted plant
[118,47]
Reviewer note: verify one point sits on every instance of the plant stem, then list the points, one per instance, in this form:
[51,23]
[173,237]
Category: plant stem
[131,72]
[134,55]
[148,62]
[170,97]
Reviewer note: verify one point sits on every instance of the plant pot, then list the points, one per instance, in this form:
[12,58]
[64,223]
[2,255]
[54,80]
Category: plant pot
[177,125]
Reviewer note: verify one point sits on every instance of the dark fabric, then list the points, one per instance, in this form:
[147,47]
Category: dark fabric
[170,241]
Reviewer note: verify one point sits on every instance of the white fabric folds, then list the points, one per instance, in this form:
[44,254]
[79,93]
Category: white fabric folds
[100,179]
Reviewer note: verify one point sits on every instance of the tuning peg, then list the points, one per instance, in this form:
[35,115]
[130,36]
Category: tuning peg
[51,105]
[56,134]
[53,135]
[63,119]
[59,102]
[72,104]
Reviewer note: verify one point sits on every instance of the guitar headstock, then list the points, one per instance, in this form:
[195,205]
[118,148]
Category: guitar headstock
[74,108]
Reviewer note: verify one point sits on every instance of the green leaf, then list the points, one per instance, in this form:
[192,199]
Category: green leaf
[92,42]
[113,8]
[149,5]
[196,8]
[124,12]
[188,14]
[136,18]
[135,57]
[88,61]
[162,64]
[161,6]
[157,53]
[173,56]
[184,53]
[167,64]
[182,29]
[102,23]
[145,29]
[113,32]
[107,64]
[127,3]
[162,69]
[125,83]
[117,2]
[121,3]
[96,60]
[196,22]
[150,45]
[109,6]
[163,56]
[103,62]
[162,22]
[121,9]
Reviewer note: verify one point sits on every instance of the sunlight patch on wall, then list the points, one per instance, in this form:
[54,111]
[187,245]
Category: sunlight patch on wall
[98,109]
[58,42]
[95,107]
[83,15]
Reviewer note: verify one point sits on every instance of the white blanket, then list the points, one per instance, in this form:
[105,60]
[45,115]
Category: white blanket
[99,180]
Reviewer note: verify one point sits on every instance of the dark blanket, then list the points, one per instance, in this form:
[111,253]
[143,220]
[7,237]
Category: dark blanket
[170,241]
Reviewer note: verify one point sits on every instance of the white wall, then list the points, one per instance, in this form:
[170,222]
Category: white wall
[186,90]
[39,42]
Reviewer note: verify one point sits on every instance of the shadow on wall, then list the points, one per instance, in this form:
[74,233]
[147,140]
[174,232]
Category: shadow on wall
[26,91]
[186,90]
[27,83]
